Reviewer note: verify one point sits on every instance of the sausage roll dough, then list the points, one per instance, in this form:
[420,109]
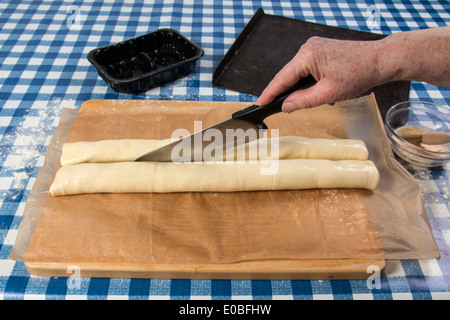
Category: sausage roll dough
[290,147]
[302,164]
[123,177]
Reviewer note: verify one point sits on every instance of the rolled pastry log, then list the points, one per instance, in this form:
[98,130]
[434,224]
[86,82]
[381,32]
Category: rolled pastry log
[105,151]
[163,177]
[290,147]
[293,147]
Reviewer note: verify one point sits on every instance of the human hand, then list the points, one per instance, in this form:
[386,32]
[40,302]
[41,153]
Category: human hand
[342,69]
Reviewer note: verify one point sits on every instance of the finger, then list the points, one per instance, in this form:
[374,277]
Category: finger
[285,78]
[307,98]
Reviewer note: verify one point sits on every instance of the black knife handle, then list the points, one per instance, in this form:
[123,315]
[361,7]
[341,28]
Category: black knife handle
[257,114]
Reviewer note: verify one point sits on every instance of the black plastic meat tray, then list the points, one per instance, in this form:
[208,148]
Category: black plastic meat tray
[268,42]
[148,61]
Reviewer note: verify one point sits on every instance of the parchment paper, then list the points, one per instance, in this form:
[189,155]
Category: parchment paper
[389,223]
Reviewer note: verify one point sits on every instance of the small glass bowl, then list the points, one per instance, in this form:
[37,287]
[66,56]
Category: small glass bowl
[417,117]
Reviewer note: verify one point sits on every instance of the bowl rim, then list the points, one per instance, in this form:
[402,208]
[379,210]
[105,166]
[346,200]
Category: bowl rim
[392,131]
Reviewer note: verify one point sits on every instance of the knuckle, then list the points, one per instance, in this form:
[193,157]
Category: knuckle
[311,46]
[314,39]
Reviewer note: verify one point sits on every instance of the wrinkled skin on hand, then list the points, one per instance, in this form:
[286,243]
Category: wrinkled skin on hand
[345,69]
[342,70]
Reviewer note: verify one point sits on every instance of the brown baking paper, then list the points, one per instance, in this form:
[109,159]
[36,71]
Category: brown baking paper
[388,223]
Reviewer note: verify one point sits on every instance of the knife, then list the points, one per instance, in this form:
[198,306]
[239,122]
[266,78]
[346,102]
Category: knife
[242,123]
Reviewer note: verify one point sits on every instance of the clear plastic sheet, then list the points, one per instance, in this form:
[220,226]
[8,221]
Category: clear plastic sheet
[194,228]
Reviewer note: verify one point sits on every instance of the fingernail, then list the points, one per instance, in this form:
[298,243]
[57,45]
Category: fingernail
[288,107]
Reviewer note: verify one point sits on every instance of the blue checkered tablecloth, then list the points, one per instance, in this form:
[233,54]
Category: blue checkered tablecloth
[43,68]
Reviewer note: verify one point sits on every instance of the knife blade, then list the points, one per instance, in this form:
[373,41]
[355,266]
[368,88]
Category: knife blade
[244,126]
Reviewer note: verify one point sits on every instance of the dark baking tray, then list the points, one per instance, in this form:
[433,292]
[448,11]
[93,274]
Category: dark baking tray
[139,64]
[268,42]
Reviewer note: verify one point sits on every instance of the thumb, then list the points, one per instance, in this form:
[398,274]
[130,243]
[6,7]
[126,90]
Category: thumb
[313,96]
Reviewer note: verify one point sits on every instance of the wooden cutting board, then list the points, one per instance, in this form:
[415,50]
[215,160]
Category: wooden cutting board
[253,269]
